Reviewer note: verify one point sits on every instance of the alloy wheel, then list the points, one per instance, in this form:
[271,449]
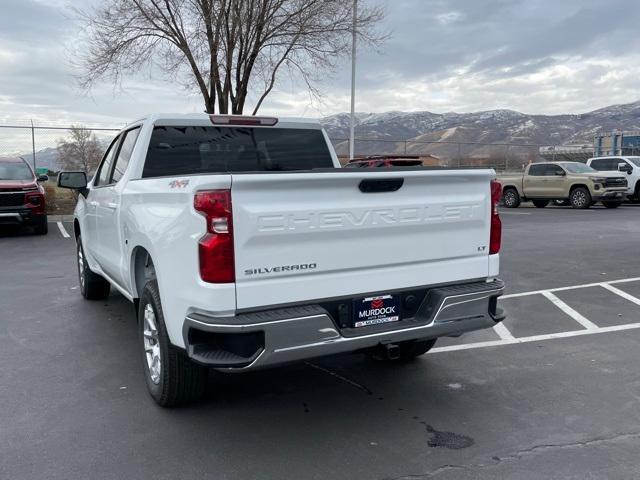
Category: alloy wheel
[81,267]
[152,344]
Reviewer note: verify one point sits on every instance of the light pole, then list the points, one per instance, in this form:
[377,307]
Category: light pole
[353,81]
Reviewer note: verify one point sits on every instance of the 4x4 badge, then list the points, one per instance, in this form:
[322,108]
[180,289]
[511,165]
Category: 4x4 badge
[178,183]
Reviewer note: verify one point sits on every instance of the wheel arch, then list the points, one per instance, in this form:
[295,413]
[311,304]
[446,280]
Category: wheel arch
[509,186]
[577,185]
[142,270]
[76,229]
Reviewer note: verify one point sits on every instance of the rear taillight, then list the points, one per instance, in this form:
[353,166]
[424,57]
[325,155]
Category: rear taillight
[217,264]
[495,237]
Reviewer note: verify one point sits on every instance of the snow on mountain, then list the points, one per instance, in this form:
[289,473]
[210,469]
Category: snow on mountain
[397,132]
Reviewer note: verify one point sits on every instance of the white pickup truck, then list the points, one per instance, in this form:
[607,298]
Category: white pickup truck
[244,245]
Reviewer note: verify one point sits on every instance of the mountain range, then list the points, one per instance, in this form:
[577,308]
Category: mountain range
[470,135]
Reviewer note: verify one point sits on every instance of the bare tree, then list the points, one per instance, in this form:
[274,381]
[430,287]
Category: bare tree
[225,49]
[80,150]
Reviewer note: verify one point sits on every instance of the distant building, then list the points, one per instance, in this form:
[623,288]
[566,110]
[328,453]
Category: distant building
[567,153]
[617,143]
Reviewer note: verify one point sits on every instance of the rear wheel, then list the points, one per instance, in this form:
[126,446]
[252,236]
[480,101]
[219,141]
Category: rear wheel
[580,198]
[611,203]
[541,203]
[172,378]
[510,198]
[92,285]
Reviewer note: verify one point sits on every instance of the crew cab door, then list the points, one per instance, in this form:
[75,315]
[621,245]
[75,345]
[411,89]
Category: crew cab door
[555,181]
[533,184]
[100,181]
[109,243]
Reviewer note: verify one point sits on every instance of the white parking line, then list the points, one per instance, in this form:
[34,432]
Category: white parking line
[62,230]
[503,332]
[590,328]
[624,295]
[537,338]
[588,324]
[572,287]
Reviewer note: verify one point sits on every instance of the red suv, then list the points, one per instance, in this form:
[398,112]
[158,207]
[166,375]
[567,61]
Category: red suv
[378,161]
[21,197]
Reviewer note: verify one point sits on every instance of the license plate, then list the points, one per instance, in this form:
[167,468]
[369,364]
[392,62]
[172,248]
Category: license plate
[376,310]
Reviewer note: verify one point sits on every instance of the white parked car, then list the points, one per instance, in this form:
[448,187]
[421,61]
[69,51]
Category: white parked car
[244,245]
[626,164]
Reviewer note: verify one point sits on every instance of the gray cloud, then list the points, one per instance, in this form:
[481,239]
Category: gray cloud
[544,56]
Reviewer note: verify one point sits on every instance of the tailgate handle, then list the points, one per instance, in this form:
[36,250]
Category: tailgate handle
[381,185]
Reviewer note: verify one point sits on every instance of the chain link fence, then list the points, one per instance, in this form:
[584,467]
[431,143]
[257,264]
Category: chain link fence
[500,156]
[40,146]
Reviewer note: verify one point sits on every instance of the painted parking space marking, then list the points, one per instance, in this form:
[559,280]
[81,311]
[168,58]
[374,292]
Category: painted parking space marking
[619,292]
[588,324]
[537,338]
[63,231]
[589,327]
[572,287]
[503,332]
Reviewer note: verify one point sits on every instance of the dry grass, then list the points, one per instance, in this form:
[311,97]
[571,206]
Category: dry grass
[60,201]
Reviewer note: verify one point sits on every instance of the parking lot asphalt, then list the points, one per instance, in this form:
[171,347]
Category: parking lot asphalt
[514,403]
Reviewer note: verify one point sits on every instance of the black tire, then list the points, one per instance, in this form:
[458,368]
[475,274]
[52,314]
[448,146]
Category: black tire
[510,198]
[42,227]
[540,203]
[580,198]
[611,203]
[92,285]
[179,380]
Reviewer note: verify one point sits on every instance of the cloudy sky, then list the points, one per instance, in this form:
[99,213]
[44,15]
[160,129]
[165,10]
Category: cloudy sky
[535,56]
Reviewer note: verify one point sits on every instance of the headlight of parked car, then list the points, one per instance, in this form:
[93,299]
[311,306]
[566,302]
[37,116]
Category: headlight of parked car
[598,179]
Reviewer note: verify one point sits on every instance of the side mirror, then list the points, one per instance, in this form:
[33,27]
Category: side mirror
[43,178]
[74,181]
[625,167]
[560,173]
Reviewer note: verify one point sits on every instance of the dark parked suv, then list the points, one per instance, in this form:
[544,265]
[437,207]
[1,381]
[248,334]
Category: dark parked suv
[21,197]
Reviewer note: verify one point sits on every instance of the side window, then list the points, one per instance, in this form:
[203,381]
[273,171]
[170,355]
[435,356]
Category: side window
[102,175]
[617,161]
[124,154]
[537,170]
[598,164]
[553,170]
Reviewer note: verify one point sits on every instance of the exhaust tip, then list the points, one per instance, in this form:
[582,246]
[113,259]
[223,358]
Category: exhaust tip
[392,351]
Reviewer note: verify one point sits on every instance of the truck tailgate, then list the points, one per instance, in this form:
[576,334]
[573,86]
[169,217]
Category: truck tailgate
[307,236]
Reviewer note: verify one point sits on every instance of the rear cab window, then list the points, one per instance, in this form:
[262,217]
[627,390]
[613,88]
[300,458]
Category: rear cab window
[187,150]
[604,164]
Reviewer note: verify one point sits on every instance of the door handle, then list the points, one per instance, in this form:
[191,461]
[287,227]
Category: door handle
[93,204]
[112,205]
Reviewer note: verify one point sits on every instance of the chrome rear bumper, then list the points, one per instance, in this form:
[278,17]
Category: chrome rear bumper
[255,340]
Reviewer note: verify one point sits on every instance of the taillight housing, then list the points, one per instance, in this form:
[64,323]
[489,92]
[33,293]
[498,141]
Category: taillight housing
[495,237]
[215,249]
